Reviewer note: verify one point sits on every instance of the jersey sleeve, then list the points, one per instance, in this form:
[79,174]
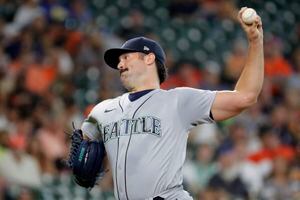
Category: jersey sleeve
[194,106]
[90,127]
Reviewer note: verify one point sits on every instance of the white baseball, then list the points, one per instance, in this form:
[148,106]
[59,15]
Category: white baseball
[249,16]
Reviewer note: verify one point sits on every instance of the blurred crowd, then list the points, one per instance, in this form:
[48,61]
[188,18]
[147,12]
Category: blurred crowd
[52,73]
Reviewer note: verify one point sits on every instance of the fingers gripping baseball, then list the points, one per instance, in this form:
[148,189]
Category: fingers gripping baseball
[251,23]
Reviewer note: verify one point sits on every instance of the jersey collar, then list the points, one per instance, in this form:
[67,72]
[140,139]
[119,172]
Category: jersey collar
[136,95]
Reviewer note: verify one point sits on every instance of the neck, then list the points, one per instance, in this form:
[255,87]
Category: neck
[145,87]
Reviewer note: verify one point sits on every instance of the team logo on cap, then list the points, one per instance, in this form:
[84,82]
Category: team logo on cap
[146,48]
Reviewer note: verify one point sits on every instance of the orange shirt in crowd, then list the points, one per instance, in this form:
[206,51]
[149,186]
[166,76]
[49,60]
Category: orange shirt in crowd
[283,151]
[277,66]
[188,78]
[39,78]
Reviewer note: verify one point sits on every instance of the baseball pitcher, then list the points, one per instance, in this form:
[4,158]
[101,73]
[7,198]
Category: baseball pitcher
[145,131]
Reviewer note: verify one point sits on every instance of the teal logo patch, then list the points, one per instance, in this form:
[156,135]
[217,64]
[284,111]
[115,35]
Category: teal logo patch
[81,154]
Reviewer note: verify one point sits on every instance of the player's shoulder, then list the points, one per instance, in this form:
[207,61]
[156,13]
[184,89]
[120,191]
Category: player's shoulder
[179,90]
[187,92]
[172,93]
[101,106]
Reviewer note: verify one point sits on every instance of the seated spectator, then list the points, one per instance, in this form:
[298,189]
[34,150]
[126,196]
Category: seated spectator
[19,168]
[212,76]
[186,74]
[24,15]
[294,128]
[227,179]
[278,186]
[250,172]
[42,73]
[296,59]
[234,63]
[53,140]
[218,9]
[275,63]
[281,120]
[198,172]
[294,181]
[271,148]
[134,25]
[237,134]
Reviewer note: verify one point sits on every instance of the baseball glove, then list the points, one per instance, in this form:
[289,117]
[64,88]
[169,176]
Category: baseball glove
[86,159]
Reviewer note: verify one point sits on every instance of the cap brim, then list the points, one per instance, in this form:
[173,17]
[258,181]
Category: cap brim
[111,56]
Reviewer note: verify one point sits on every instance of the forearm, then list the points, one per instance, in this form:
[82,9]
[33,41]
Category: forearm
[230,103]
[251,79]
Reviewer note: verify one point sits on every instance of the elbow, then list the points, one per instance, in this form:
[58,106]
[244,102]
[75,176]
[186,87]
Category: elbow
[252,99]
[249,99]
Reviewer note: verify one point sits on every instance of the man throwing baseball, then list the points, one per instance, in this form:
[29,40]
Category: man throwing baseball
[145,131]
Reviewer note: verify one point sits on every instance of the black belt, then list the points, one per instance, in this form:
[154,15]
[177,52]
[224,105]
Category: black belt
[158,198]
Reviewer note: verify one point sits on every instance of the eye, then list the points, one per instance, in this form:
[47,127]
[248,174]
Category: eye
[123,57]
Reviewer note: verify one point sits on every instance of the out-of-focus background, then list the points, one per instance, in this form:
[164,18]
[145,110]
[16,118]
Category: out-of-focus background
[52,73]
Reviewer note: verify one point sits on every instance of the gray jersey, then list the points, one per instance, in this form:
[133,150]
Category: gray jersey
[146,139]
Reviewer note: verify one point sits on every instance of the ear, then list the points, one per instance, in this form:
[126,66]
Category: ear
[149,58]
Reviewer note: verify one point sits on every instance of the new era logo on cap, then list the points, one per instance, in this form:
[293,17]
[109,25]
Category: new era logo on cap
[138,44]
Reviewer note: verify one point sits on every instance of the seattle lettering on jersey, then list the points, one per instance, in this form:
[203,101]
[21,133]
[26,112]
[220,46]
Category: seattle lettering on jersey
[125,127]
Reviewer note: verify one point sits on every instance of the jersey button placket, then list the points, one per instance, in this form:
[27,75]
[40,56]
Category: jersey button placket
[122,154]
[121,167]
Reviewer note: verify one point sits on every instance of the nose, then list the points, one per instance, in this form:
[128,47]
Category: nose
[120,65]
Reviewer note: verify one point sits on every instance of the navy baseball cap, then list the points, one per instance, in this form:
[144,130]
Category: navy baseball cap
[138,44]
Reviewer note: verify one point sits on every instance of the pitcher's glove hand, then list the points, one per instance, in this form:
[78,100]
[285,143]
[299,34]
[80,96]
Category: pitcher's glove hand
[86,159]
